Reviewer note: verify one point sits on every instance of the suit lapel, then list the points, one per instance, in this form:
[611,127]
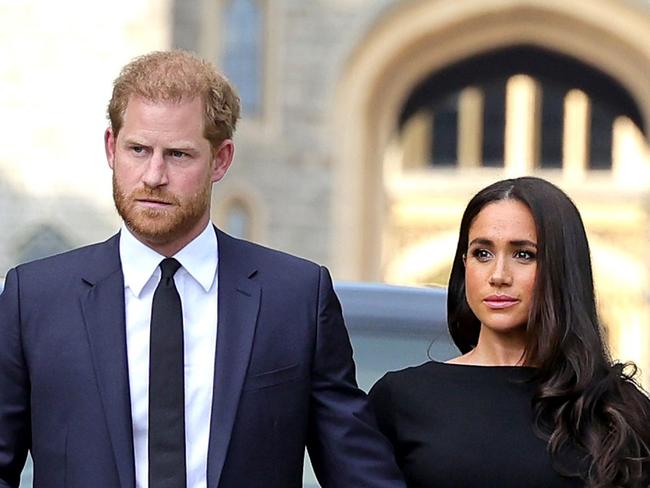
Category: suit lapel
[238,303]
[103,310]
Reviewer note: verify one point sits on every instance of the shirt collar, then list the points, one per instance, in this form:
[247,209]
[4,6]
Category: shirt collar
[140,262]
[201,256]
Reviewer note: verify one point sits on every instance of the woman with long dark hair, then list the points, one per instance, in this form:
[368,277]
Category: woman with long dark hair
[534,400]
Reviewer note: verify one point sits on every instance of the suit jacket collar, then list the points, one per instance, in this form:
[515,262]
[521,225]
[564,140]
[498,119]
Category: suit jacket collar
[239,300]
[103,311]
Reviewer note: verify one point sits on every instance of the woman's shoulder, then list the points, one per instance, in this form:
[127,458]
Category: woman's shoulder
[413,372]
[402,387]
[439,375]
[413,376]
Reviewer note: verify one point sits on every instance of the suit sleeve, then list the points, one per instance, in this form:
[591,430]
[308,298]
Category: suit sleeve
[14,388]
[381,403]
[344,444]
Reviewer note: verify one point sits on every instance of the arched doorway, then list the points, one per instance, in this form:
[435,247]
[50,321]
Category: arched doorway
[415,39]
[387,211]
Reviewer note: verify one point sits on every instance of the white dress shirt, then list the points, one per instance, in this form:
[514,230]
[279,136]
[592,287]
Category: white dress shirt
[196,282]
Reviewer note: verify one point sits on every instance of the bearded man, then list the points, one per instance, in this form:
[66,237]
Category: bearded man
[173,355]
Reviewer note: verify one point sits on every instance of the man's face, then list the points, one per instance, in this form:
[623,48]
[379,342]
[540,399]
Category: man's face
[163,170]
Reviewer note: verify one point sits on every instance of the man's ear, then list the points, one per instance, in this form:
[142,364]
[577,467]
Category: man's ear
[109,146]
[222,159]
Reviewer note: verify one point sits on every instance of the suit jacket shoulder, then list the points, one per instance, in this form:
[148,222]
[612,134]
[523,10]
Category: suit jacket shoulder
[275,270]
[47,276]
[259,254]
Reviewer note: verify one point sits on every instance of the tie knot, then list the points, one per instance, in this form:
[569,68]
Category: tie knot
[168,267]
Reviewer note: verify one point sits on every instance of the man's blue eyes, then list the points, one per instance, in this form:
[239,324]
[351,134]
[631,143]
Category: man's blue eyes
[174,154]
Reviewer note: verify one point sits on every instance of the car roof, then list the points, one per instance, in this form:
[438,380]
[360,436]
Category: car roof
[382,308]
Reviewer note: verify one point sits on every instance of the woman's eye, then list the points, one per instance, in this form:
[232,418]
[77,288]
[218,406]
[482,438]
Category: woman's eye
[525,255]
[482,254]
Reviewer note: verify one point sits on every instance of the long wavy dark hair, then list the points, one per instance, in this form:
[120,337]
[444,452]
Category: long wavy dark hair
[585,403]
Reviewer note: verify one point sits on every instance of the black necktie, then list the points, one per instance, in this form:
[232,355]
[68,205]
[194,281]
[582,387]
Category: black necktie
[166,384]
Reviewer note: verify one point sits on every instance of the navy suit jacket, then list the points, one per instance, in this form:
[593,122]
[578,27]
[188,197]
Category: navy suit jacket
[284,376]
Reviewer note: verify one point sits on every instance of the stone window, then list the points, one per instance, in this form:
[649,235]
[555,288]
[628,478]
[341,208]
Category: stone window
[238,219]
[243,27]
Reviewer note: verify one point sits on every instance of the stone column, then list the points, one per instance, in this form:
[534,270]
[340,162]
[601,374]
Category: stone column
[470,127]
[575,139]
[522,125]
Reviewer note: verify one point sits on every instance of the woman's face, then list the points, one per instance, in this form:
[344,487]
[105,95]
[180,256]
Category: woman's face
[500,265]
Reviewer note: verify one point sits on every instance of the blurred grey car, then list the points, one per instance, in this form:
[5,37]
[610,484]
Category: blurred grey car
[392,327]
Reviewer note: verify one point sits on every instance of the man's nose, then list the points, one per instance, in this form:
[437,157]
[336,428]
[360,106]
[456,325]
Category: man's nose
[155,173]
[501,273]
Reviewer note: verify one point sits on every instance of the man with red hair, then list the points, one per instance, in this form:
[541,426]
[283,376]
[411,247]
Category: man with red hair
[173,355]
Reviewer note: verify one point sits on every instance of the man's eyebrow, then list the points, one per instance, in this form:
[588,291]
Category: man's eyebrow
[176,146]
[134,141]
[182,146]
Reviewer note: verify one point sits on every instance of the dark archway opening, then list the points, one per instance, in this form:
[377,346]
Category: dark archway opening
[555,73]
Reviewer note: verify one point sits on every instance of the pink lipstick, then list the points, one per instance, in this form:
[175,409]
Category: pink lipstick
[500,301]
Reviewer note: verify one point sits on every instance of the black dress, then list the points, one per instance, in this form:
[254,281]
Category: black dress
[461,426]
